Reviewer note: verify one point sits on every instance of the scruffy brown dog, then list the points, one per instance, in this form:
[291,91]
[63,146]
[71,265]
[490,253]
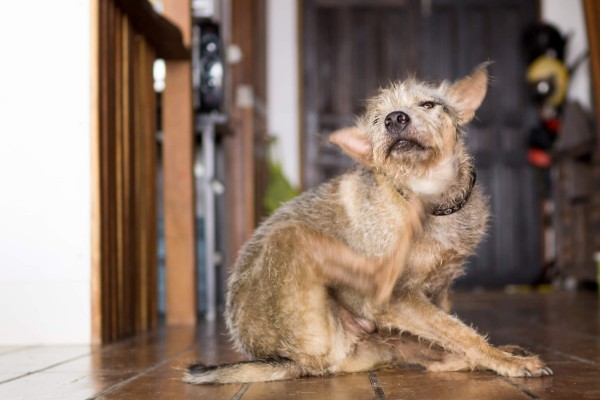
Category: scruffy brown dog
[354,275]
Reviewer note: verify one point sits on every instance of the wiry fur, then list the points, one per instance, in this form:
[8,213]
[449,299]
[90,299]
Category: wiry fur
[355,274]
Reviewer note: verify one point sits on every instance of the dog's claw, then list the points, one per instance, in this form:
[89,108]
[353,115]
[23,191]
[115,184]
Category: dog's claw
[547,371]
[527,373]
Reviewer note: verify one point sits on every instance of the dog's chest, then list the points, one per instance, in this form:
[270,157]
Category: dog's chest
[438,255]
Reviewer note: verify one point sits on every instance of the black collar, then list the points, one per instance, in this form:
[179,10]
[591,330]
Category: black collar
[456,204]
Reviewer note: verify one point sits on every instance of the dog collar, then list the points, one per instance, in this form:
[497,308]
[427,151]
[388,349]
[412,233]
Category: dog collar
[457,204]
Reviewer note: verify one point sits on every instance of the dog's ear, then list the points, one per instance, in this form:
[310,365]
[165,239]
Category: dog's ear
[354,143]
[468,93]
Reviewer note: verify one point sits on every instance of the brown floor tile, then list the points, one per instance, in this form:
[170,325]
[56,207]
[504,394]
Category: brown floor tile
[564,328]
[409,384]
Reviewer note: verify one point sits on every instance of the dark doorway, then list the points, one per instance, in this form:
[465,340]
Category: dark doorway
[350,48]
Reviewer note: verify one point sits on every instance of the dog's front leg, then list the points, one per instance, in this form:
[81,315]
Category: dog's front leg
[415,314]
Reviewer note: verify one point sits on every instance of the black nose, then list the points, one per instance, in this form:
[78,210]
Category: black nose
[396,120]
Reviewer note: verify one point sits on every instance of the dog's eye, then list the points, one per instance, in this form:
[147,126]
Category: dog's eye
[427,104]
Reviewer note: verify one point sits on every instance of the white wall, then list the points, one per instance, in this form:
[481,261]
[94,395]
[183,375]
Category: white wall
[282,80]
[45,172]
[568,16]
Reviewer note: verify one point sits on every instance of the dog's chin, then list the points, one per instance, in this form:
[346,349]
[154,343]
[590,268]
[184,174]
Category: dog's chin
[405,146]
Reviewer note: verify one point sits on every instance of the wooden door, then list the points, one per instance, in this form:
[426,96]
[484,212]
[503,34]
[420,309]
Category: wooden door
[351,48]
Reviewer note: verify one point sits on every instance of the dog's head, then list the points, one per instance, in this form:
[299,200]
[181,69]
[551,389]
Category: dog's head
[411,131]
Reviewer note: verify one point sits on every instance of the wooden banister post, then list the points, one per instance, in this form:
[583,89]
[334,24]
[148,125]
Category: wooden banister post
[178,159]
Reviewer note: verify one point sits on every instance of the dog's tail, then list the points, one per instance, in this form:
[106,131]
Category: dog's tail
[261,370]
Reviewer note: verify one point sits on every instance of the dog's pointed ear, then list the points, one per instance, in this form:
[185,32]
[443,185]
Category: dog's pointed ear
[354,143]
[468,93]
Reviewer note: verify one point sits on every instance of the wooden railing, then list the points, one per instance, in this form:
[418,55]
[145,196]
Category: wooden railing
[128,37]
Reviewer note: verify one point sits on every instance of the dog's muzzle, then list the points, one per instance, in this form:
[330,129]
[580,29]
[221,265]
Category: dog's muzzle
[396,121]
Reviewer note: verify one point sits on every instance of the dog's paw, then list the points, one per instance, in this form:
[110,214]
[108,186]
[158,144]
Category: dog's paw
[416,215]
[530,366]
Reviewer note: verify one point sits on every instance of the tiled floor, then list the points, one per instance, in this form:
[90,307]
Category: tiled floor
[563,327]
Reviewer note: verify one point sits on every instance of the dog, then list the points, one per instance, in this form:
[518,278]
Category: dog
[355,274]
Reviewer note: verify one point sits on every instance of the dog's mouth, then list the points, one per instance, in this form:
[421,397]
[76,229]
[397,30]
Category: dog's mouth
[404,144]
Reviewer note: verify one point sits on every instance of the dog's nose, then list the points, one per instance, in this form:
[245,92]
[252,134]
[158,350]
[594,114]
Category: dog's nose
[396,120]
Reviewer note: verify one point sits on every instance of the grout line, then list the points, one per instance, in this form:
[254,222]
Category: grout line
[521,388]
[139,374]
[379,393]
[45,368]
[238,395]
[96,349]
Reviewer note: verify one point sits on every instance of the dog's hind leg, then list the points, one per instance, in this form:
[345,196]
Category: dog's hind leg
[380,351]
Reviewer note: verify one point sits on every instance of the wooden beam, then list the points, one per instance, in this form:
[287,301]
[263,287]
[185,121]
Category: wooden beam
[178,159]
[239,146]
[161,33]
[96,276]
[592,17]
